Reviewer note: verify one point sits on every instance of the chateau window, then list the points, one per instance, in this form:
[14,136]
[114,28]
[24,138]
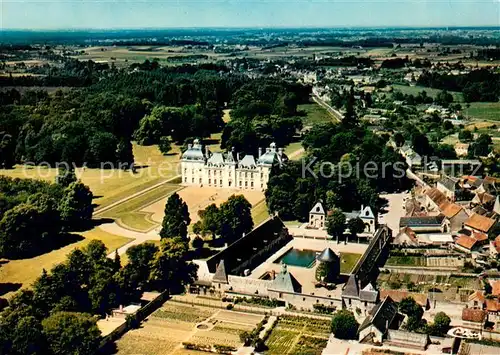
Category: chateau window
[240,183]
[185,179]
[192,180]
[185,170]
[220,181]
[246,183]
[246,174]
[209,173]
[200,180]
[209,181]
[251,184]
[229,173]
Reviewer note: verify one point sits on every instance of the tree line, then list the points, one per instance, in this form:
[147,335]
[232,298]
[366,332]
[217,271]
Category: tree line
[36,216]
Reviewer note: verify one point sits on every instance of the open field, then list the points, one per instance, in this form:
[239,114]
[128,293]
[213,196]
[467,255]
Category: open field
[348,261]
[414,90]
[314,114]
[483,111]
[298,335]
[25,271]
[167,328]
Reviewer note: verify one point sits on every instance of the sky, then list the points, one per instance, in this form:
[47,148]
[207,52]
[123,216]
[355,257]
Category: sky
[102,14]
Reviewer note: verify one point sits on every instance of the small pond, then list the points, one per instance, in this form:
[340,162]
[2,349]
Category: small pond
[297,257]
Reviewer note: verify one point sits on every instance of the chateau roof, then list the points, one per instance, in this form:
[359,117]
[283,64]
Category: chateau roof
[421,221]
[351,288]
[194,152]
[285,281]
[217,159]
[369,294]
[327,256]
[247,162]
[272,155]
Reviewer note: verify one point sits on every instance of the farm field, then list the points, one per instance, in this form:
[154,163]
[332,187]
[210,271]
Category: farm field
[348,261]
[414,90]
[298,335]
[489,111]
[173,324]
[25,271]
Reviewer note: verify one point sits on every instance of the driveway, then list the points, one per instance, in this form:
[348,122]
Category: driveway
[394,211]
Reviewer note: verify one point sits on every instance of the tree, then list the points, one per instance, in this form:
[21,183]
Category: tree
[136,273]
[176,220]
[344,325]
[210,219]
[440,325]
[399,139]
[414,312]
[76,206]
[235,217]
[124,153]
[465,135]
[65,176]
[71,333]
[356,226]
[481,147]
[336,223]
[165,145]
[170,268]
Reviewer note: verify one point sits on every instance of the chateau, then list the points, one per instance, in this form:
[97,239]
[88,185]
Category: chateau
[226,170]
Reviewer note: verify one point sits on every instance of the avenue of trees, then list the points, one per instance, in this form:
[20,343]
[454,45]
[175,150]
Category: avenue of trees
[36,216]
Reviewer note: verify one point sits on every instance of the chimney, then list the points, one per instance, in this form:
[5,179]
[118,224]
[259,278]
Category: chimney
[260,152]
[238,156]
[207,152]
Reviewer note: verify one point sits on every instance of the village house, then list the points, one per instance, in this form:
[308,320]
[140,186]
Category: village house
[465,243]
[434,198]
[406,237]
[478,223]
[455,216]
[495,247]
[448,185]
[474,318]
[424,223]
[377,323]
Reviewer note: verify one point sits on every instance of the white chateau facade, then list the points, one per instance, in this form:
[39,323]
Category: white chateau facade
[226,170]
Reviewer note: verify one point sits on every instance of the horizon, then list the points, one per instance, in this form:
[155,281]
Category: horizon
[109,15]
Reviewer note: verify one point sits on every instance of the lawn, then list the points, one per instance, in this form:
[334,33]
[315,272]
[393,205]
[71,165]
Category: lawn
[25,271]
[226,117]
[260,213]
[414,90]
[314,114]
[293,147]
[129,212]
[407,260]
[348,261]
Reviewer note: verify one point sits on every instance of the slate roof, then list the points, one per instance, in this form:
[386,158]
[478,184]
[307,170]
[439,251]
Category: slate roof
[421,221]
[217,159]
[220,275]
[449,183]
[351,288]
[473,315]
[327,256]
[194,152]
[369,294]
[285,281]
[247,162]
[318,209]
[381,316]
[480,223]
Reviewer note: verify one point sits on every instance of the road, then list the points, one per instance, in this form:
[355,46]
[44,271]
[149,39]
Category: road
[335,113]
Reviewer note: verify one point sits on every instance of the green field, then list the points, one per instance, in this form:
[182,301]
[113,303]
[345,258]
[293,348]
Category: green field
[260,213]
[489,111]
[348,261]
[414,90]
[314,114]
[407,261]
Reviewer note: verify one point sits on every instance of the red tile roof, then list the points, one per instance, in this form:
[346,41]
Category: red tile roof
[465,241]
[398,295]
[495,287]
[492,305]
[449,209]
[480,223]
[477,295]
[480,237]
[473,315]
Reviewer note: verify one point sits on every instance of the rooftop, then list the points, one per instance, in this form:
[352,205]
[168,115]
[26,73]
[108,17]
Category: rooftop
[480,223]
[473,315]
[465,242]
[421,221]
[381,316]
